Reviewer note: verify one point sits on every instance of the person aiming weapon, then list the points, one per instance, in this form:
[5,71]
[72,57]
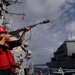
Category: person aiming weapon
[31,26]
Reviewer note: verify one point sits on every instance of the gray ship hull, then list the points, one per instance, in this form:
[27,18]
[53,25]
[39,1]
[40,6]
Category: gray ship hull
[64,56]
[63,64]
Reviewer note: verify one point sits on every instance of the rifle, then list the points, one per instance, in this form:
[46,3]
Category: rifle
[31,26]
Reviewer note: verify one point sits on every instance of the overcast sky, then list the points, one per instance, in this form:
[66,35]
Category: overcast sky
[45,39]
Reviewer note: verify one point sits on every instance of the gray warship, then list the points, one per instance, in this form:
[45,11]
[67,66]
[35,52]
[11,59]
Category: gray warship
[64,56]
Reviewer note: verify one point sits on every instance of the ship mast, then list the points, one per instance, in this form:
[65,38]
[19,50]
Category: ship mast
[3,11]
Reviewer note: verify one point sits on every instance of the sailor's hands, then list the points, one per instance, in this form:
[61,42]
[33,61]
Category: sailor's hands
[27,29]
[22,37]
[4,37]
[17,65]
[7,36]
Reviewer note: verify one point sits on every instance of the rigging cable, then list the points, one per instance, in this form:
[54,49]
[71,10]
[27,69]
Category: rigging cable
[51,27]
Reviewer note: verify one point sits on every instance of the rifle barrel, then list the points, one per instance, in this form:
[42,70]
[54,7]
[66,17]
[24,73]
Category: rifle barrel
[31,26]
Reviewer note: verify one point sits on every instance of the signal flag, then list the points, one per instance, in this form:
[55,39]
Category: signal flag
[22,17]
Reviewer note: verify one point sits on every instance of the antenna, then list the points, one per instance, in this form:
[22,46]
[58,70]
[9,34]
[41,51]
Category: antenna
[3,10]
[10,2]
[69,36]
[23,14]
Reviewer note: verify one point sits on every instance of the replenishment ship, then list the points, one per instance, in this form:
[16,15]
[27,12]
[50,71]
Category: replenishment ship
[64,58]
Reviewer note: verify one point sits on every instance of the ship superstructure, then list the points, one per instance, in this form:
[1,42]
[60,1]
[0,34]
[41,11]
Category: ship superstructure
[17,52]
[4,10]
[64,56]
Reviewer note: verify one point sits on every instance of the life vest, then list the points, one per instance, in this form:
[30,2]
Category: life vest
[6,57]
[12,62]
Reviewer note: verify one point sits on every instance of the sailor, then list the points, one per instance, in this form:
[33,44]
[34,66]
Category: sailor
[14,64]
[5,46]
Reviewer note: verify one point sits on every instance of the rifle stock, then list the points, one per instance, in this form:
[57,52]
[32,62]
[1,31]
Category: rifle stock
[31,26]
[19,30]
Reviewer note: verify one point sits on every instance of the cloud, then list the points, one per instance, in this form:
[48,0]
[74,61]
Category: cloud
[45,39]
[52,37]
[71,27]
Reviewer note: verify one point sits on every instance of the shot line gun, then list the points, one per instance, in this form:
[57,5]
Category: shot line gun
[31,26]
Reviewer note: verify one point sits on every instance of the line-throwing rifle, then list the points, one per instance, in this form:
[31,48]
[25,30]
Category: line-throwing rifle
[31,26]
